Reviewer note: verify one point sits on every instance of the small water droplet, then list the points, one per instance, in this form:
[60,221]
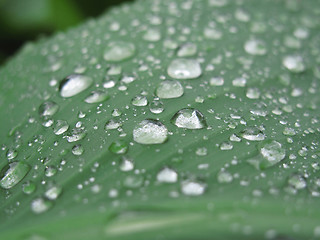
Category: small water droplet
[50,171]
[239,82]
[189,118]
[252,134]
[133,181]
[156,107]
[224,177]
[48,108]
[119,51]
[150,131]
[226,146]
[255,47]
[167,175]
[119,147]
[294,64]
[13,173]
[113,124]
[139,101]
[184,69]
[126,164]
[253,93]
[187,50]
[74,84]
[28,187]
[11,153]
[97,97]
[297,181]
[60,127]
[192,188]
[169,89]
[76,135]
[152,35]
[53,192]
[40,205]
[77,150]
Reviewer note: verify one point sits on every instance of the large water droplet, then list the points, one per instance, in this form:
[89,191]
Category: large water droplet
[48,108]
[74,84]
[252,134]
[169,89]
[167,175]
[184,69]
[255,47]
[294,64]
[13,173]
[150,131]
[119,51]
[189,118]
[192,188]
[97,96]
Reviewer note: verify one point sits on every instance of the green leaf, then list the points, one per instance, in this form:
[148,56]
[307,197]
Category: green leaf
[235,155]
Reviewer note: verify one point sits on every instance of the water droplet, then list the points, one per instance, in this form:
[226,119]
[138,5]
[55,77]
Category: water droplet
[74,84]
[40,205]
[50,171]
[271,152]
[187,50]
[150,131]
[253,93]
[212,33]
[297,181]
[289,131]
[294,64]
[192,188]
[60,127]
[126,164]
[48,108]
[224,177]
[167,175]
[156,107]
[97,97]
[113,124]
[119,147]
[13,173]
[189,118]
[226,146]
[152,35]
[76,135]
[216,81]
[184,69]
[53,192]
[239,82]
[119,51]
[255,47]
[169,89]
[11,154]
[139,101]
[77,150]
[201,151]
[133,181]
[28,187]
[252,134]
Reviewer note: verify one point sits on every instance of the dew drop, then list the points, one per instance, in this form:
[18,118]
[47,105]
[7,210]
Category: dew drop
[28,187]
[297,181]
[133,181]
[119,51]
[76,135]
[255,47]
[60,127]
[187,50]
[48,108]
[169,89]
[13,173]
[226,146]
[224,177]
[126,164]
[11,154]
[253,93]
[252,134]
[184,69]
[53,192]
[77,150]
[167,175]
[189,118]
[192,188]
[139,101]
[150,131]
[113,124]
[74,84]
[118,147]
[294,64]
[40,205]
[50,171]
[152,35]
[156,107]
[97,97]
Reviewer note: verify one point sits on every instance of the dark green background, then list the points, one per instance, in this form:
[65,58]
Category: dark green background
[27,20]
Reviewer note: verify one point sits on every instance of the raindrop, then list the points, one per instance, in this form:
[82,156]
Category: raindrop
[119,147]
[239,82]
[167,175]
[226,146]
[13,173]
[113,124]
[28,187]
[253,93]
[48,108]
[60,127]
[297,181]
[126,164]
[97,97]
[152,35]
[150,131]
[74,84]
[216,81]
[40,205]
[53,192]
[255,47]
[119,51]
[187,50]
[252,134]
[50,171]
[192,188]
[139,101]
[189,118]
[77,150]
[224,177]
[169,89]
[11,154]
[156,107]
[294,64]
[76,135]
[133,181]
[184,69]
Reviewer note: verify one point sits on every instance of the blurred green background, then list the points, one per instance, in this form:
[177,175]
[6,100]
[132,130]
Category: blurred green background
[27,20]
